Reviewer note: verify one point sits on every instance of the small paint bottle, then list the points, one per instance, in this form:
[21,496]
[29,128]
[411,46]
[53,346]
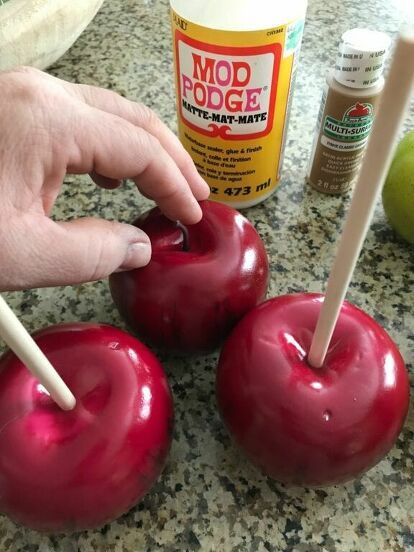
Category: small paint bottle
[349,102]
[235,65]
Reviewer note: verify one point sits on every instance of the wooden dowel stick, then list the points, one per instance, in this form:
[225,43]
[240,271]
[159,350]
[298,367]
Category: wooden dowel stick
[26,349]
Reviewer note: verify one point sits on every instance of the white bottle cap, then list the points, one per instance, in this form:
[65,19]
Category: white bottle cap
[361,57]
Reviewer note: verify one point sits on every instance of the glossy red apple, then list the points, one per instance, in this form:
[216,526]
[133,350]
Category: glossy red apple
[201,279]
[69,471]
[309,426]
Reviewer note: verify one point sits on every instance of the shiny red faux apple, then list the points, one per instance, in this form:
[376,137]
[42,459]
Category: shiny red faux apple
[201,279]
[70,471]
[303,425]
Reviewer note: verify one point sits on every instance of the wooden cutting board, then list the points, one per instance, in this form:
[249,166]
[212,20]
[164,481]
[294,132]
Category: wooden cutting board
[38,32]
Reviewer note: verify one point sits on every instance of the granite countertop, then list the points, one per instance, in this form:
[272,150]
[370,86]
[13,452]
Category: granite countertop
[209,498]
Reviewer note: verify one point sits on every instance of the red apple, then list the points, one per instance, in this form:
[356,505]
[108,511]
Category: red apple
[201,279]
[309,426]
[70,471]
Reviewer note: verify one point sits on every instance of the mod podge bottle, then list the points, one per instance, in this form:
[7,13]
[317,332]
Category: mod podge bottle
[235,63]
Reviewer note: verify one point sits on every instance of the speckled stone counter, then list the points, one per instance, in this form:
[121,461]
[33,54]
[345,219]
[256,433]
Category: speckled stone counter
[209,497]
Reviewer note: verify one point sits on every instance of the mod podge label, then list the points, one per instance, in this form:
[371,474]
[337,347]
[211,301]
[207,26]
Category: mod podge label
[232,102]
[227,92]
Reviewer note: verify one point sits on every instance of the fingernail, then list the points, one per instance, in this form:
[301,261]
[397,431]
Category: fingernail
[138,255]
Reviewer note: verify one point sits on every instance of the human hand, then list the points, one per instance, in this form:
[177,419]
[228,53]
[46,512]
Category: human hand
[51,127]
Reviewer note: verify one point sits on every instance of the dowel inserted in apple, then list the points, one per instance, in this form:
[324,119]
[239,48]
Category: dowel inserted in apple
[26,349]
[378,157]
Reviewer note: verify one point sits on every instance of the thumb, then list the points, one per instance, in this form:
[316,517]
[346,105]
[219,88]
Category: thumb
[82,250]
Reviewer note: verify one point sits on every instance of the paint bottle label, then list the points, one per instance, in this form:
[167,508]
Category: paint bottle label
[343,127]
[233,99]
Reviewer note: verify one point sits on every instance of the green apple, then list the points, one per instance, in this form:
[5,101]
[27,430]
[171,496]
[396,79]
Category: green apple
[398,192]
[406,146]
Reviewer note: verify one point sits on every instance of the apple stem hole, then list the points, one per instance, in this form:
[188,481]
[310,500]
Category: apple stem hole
[311,366]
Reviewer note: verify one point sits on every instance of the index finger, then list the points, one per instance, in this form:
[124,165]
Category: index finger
[115,148]
[140,115]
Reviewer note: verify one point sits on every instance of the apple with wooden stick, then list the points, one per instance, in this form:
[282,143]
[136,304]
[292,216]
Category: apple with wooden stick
[305,425]
[64,471]
[312,389]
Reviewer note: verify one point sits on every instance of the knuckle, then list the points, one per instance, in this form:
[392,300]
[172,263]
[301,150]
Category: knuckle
[149,144]
[153,119]
[149,118]
[97,261]
[87,92]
